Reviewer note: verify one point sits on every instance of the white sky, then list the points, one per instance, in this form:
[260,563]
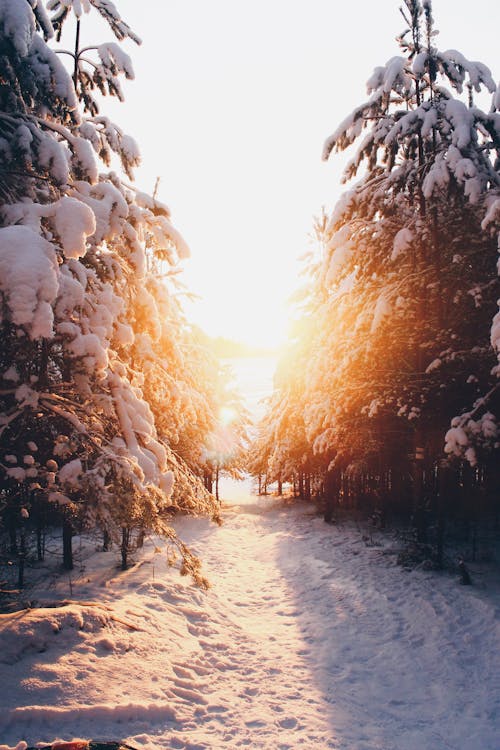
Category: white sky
[231,104]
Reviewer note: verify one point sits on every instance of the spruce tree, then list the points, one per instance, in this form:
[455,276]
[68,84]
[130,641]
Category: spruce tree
[82,300]
[398,332]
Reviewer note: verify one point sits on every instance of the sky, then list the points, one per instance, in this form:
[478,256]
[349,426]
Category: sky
[230,106]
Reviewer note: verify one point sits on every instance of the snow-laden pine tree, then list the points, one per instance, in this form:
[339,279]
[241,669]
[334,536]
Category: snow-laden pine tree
[225,451]
[88,328]
[409,266]
[400,311]
[280,451]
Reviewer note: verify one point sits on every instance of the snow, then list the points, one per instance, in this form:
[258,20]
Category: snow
[16,473]
[84,159]
[429,121]
[462,121]
[74,222]
[113,57]
[478,72]
[89,347]
[402,242]
[44,20]
[167,483]
[393,74]
[108,206]
[493,213]
[11,374]
[346,285]
[495,331]
[26,396]
[70,472]
[382,309]
[17,24]
[135,419]
[395,71]
[163,228]
[50,72]
[311,636]
[28,279]
[434,365]
[58,498]
[130,149]
[420,62]
[466,432]
[495,101]
[78,6]
[339,251]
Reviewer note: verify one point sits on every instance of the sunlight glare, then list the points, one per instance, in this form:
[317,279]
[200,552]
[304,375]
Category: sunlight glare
[227,415]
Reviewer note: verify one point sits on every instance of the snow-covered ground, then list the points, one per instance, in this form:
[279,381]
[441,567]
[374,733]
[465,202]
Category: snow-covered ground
[310,637]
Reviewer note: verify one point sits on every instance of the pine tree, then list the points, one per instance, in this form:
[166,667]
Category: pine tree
[225,450]
[82,304]
[401,301]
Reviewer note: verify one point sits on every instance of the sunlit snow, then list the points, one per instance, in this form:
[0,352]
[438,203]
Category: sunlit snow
[309,637]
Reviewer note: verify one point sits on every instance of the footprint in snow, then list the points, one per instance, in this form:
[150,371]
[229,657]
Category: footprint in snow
[217,709]
[255,723]
[181,671]
[251,691]
[289,723]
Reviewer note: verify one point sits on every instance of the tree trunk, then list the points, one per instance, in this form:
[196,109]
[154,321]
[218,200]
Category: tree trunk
[38,512]
[39,541]
[332,486]
[307,488]
[418,489]
[301,485]
[43,363]
[106,541]
[443,476]
[124,549]
[22,556]
[67,544]
[208,481]
[12,533]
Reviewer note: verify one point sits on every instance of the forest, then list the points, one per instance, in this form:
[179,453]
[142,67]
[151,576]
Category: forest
[387,396]
[118,413]
[187,565]
[110,398]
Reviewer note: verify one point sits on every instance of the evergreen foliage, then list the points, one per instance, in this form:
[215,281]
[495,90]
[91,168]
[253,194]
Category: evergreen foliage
[106,396]
[395,349]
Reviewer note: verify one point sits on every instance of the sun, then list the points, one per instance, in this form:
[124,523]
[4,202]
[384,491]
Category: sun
[238,314]
[227,416]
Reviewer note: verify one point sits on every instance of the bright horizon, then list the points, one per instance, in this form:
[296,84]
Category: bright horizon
[230,107]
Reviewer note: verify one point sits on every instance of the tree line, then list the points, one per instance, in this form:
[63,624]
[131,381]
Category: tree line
[387,396]
[109,397]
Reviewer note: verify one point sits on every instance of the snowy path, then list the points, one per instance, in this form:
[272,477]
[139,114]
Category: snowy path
[308,639]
